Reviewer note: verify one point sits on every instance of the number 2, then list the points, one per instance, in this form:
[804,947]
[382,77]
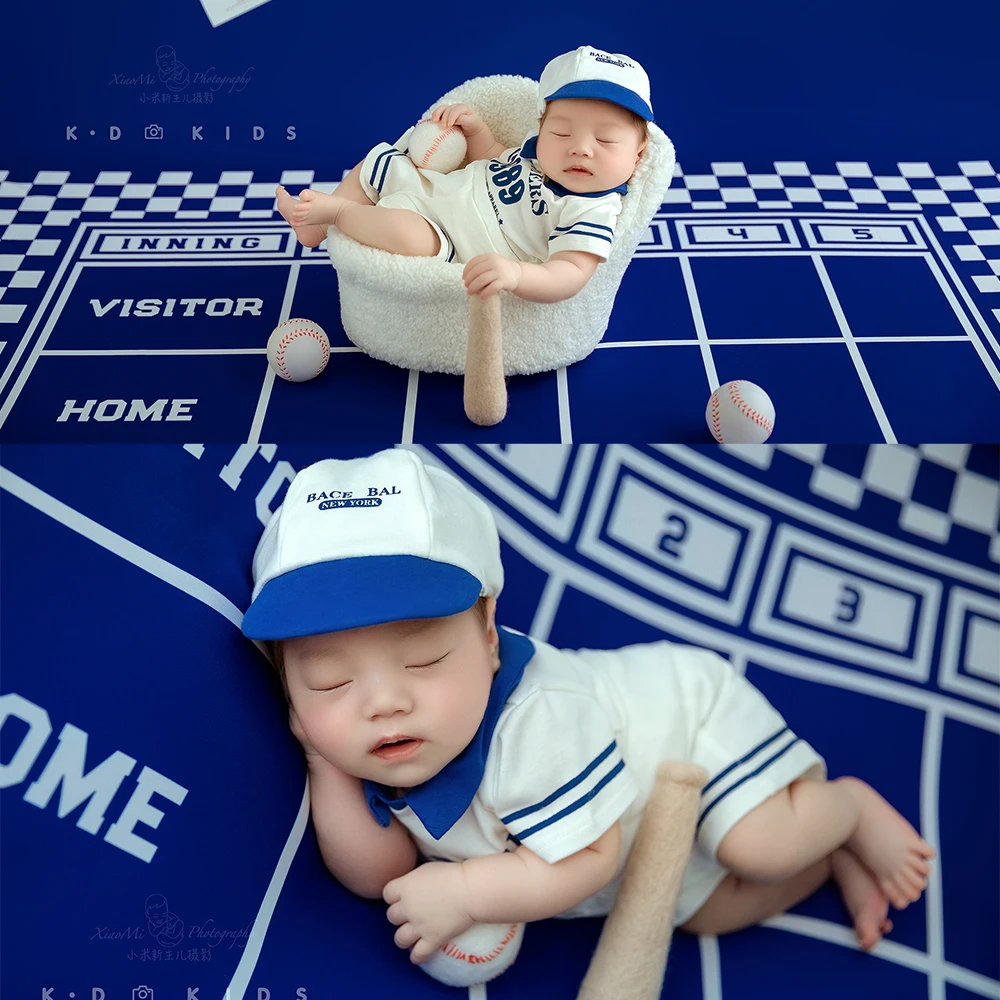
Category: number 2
[669,542]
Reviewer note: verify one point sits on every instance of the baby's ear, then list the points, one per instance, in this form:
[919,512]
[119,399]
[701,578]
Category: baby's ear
[492,635]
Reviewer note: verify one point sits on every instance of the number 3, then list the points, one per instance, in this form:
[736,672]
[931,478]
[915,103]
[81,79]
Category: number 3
[850,607]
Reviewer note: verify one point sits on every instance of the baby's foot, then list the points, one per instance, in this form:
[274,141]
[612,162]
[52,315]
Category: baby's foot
[315,208]
[309,235]
[886,843]
[863,898]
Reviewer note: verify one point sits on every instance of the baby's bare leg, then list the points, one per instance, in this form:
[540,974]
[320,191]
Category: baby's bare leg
[738,903]
[397,230]
[809,820]
[294,212]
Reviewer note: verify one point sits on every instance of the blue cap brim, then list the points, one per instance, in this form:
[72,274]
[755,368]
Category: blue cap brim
[350,593]
[602,90]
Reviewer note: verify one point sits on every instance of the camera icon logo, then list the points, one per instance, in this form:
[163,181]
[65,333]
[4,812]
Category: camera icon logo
[152,132]
[142,993]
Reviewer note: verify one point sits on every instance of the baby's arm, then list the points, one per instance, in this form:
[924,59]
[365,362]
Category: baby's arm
[560,277]
[361,854]
[478,138]
[520,886]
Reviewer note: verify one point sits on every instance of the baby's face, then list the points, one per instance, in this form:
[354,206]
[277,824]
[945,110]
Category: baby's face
[427,679]
[588,145]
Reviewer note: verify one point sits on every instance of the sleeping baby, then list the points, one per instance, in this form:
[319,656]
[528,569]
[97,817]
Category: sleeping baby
[464,772]
[534,220]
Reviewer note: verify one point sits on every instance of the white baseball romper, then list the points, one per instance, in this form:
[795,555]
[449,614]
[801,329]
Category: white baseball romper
[504,205]
[569,745]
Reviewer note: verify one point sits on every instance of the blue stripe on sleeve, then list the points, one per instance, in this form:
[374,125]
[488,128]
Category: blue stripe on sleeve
[451,245]
[582,801]
[757,749]
[579,229]
[382,160]
[582,222]
[596,236]
[603,755]
[767,763]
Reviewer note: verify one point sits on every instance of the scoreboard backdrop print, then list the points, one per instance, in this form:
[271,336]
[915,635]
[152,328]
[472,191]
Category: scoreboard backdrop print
[137,307]
[156,834]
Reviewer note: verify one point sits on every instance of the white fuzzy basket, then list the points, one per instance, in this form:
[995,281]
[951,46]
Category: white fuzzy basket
[414,311]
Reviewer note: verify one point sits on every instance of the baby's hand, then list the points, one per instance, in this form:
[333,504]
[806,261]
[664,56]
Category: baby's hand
[490,273]
[458,114]
[430,905]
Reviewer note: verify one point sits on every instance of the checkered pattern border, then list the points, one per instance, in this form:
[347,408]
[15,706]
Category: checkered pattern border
[969,498]
[35,215]
[966,205]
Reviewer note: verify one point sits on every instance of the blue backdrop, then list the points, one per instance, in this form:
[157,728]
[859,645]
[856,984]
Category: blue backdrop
[845,154]
[154,831]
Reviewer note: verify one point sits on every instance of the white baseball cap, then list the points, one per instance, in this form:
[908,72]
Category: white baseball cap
[364,541]
[605,76]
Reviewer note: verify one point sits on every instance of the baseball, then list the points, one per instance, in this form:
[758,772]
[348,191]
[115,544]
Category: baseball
[435,147]
[298,350]
[478,955]
[740,413]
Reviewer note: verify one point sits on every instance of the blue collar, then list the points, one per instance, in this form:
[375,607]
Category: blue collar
[529,151]
[442,800]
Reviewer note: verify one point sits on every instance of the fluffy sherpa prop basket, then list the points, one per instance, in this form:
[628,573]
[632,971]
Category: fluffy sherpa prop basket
[414,311]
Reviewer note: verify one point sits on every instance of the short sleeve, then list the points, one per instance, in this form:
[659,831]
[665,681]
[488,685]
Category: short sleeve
[586,224]
[559,780]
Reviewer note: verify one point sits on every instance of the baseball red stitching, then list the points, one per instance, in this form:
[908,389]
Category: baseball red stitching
[292,334]
[452,951]
[436,143]
[758,418]
[716,423]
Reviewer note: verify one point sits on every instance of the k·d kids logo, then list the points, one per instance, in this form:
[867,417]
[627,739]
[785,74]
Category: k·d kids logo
[195,133]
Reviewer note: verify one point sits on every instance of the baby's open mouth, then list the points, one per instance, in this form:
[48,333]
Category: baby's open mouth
[398,749]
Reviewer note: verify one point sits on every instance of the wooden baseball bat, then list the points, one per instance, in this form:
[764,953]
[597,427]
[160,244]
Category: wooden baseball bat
[485,388]
[630,959]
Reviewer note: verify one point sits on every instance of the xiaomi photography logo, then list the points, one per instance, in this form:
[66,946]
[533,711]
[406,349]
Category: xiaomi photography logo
[171,80]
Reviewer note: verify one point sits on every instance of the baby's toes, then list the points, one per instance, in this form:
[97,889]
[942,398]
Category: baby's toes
[894,893]
[917,871]
[916,884]
[868,934]
[924,849]
[307,195]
